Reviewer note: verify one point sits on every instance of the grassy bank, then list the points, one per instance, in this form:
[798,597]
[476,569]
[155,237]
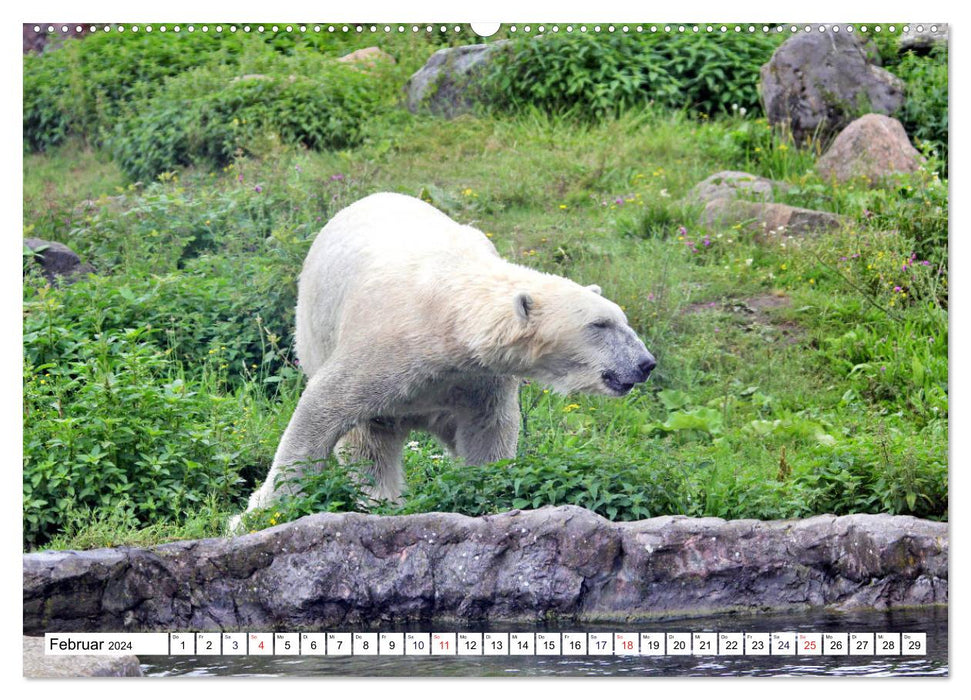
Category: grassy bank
[797,375]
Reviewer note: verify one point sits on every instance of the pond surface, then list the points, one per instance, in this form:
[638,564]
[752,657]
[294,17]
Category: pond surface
[932,621]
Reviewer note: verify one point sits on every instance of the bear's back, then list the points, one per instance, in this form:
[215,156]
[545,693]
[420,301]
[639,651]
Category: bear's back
[396,227]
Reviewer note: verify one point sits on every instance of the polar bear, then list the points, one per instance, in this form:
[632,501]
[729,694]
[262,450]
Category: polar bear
[407,320]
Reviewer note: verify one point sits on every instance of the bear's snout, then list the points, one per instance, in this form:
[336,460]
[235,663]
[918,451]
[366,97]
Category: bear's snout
[622,381]
[646,366]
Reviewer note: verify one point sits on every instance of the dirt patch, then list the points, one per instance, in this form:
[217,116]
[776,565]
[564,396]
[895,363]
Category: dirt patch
[754,313]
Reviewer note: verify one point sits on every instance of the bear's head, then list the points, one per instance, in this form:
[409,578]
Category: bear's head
[578,341]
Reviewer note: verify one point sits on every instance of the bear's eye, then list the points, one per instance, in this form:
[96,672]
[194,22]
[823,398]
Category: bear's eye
[600,325]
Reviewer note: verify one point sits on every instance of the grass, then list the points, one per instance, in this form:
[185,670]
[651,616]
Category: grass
[796,376]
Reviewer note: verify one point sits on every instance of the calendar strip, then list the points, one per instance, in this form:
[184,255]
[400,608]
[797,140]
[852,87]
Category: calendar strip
[429,644]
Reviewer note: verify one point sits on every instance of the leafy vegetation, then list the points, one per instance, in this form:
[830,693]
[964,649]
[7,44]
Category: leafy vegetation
[592,76]
[924,114]
[797,375]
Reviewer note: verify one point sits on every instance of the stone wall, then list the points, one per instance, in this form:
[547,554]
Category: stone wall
[328,570]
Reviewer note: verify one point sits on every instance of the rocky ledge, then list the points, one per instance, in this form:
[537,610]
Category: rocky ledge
[328,570]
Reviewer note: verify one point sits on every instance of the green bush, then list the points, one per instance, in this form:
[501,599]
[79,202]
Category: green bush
[81,88]
[610,485]
[925,111]
[237,316]
[207,117]
[111,425]
[601,76]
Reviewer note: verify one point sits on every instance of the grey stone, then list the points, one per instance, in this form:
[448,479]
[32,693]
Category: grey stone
[816,82]
[872,147]
[767,217]
[39,665]
[732,184]
[447,84]
[57,261]
[328,570]
[923,36]
[369,56]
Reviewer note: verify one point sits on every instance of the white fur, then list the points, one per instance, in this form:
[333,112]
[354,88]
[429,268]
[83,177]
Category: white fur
[408,320]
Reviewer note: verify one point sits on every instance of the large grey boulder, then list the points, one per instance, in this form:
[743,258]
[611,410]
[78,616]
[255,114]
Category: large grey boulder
[448,84]
[816,82]
[330,570]
[872,147]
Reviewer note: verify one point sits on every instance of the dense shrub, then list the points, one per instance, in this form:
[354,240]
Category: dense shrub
[925,111]
[81,88]
[234,317]
[109,425]
[208,117]
[598,76]
[606,484]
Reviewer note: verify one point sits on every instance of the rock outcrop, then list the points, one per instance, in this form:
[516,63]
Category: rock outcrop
[448,84]
[816,82]
[768,217]
[327,570]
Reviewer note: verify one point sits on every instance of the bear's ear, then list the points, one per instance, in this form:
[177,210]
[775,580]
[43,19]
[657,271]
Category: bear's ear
[595,288]
[523,305]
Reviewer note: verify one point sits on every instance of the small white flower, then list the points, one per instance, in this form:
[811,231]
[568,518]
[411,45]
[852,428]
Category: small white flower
[413,446]
[748,262]
[742,111]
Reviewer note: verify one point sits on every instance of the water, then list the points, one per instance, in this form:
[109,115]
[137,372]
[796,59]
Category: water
[932,621]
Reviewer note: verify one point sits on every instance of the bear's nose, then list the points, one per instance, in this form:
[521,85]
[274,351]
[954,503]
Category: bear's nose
[645,366]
